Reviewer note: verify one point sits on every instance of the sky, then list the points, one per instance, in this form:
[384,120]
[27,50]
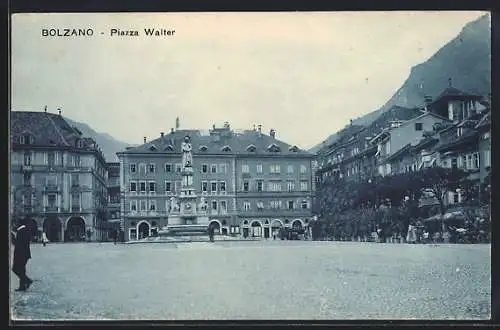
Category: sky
[303,74]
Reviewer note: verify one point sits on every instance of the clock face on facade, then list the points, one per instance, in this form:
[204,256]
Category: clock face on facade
[188,206]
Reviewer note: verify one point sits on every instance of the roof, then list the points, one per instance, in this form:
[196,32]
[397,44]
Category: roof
[400,153]
[429,141]
[48,130]
[485,120]
[446,143]
[454,93]
[219,142]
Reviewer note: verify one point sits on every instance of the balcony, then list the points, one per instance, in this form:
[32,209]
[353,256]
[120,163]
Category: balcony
[51,209]
[76,208]
[51,188]
[26,168]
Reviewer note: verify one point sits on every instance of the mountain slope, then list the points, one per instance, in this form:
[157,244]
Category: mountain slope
[109,145]
[465,59]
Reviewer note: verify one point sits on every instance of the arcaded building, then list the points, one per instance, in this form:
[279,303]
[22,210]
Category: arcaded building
[252,182]
[58,178]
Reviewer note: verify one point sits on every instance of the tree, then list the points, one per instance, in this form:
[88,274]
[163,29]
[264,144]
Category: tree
[440,180]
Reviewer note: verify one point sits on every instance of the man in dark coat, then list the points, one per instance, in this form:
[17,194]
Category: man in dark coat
[22,253]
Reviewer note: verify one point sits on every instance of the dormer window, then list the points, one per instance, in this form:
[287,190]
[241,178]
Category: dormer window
[459,131]
[78,143]
[153,148]
[273,148]
[226,149]
[26,139]
[169,148]
[294,148]
[203,148]
[251,148]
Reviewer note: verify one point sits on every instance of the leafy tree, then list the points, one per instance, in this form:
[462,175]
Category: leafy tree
[440,180]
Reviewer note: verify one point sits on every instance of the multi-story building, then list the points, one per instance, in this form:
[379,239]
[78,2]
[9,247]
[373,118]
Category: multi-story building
[58,177]
[114,196]
[251,181]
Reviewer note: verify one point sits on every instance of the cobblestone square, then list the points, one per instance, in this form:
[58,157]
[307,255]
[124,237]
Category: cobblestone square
[256,280]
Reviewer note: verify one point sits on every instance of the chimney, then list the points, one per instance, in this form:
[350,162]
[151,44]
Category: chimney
[254,128]
[272,133]
[45,109]
[172,130]
[144,139]
[350,122]
[162,134]
[177,123]
[59,110]
[213,127]
[260,129]
[449,82]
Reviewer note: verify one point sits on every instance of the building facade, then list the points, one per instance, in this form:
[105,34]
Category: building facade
[58,178]
[251,181]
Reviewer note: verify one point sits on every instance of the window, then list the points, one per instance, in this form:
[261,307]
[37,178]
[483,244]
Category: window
[260,205]
[152,205]
[77,161]
[168,167]
[418,126]
[204,186]
[142,187]
[133,205]
[222,186]
[168,186]
[246,185]
[152,187]
[259,168]
[245,168]
[223,206]
[27,158]
[75,179]
[142,168]
[454,163]
[214,205]
[289,169]
[304,204]
[246,206]
[51,200]
[143,205]
[152,168]
[475,160]
[303,185]
[274,185]
[290,185]
[178,168]
[27,178]
[275,205]
[487,158]
[51,158]
[213,186]
[275,168]
[223,168]
[303,168]
[213,168]
[260,185]
[204,168]
[177,186]
[290,205]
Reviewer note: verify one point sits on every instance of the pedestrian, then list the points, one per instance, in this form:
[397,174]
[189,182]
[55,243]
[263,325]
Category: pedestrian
[45,240]
[22,253]
[115,236]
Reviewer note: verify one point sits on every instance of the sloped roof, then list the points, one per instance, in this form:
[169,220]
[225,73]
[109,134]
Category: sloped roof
[452,92]
[48,129]
[400,153]
[223,142]
[485,120]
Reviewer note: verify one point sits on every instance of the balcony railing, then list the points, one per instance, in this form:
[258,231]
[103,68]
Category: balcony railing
[51,188]
[51,209]
[26,168]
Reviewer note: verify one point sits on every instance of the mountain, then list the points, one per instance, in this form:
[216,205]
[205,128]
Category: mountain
[109,145]
[465,59]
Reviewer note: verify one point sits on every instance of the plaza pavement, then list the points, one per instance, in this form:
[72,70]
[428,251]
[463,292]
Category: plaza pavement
[256,280]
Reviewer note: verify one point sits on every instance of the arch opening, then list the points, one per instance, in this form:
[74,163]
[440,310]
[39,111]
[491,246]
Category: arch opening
[75,230]
[52,227]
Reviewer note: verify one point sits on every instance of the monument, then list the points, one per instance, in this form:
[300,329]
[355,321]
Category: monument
[186,216]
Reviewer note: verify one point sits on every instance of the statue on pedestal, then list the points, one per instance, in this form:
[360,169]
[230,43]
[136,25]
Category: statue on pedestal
[174,206]
[187,156]
[203,204]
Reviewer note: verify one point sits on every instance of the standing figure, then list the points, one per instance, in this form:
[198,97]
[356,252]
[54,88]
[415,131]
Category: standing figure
[45,240]
[187,157]
[22,253]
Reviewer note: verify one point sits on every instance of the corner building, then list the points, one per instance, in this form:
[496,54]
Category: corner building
[253,183]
